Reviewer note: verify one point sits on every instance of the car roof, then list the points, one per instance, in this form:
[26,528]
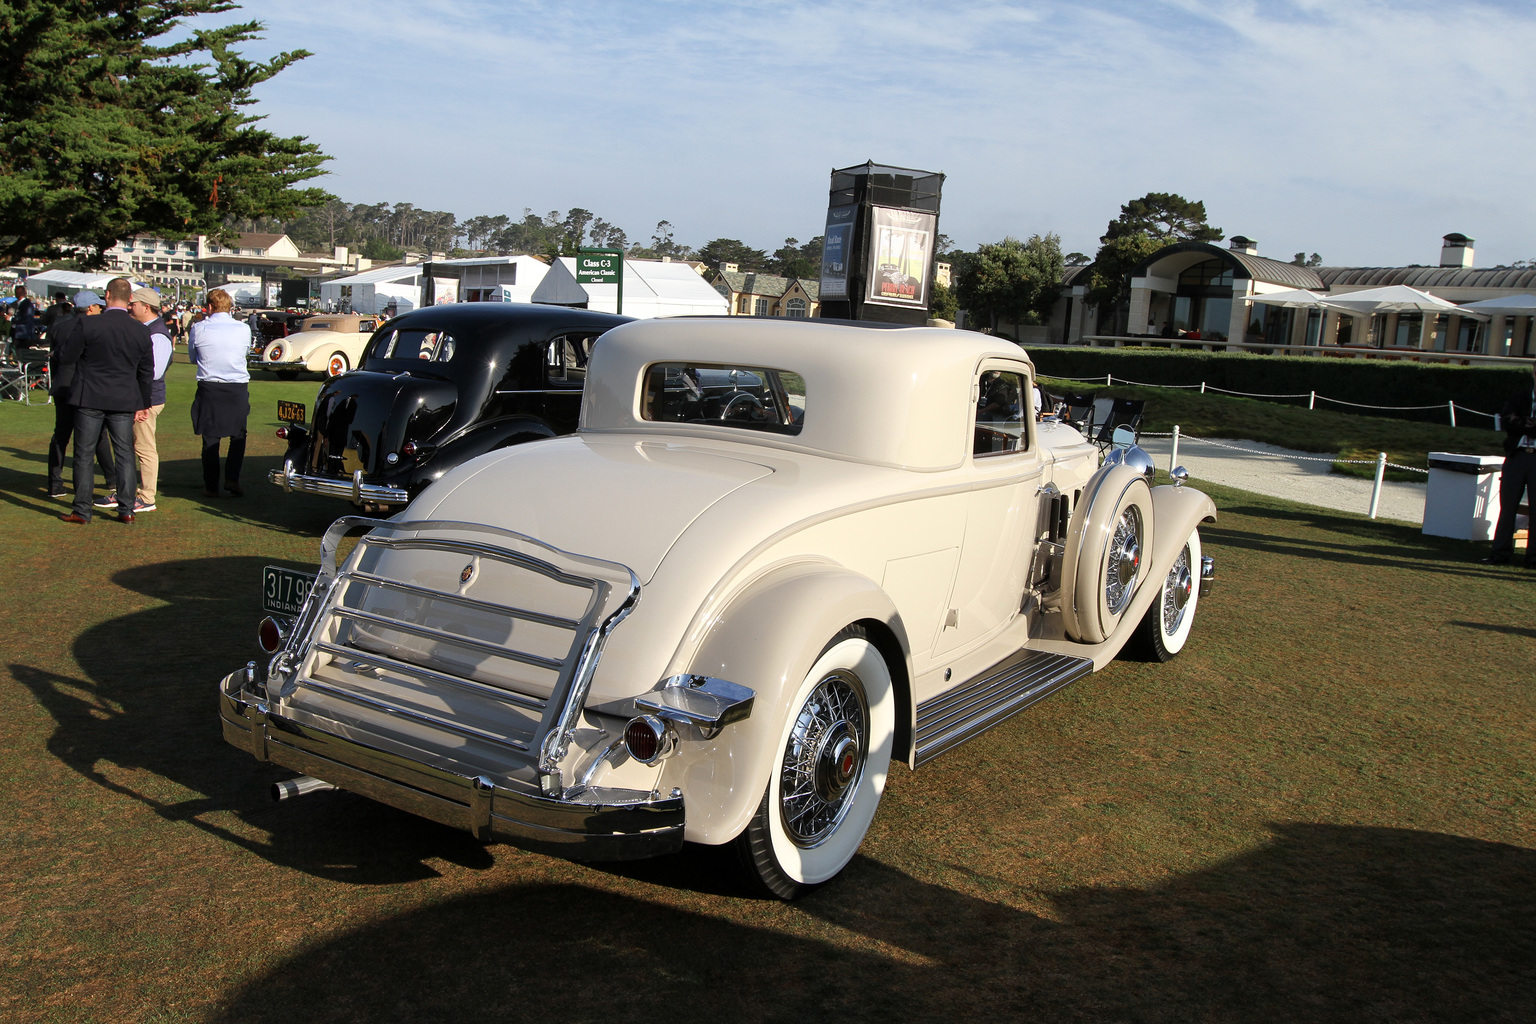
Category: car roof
[897,397]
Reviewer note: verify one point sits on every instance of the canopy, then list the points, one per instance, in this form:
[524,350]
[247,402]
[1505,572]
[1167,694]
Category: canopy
[1294,297]
[1397,298]
[1519,304]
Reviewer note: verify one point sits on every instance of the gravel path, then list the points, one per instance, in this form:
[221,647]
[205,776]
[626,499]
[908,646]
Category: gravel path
[1283,473]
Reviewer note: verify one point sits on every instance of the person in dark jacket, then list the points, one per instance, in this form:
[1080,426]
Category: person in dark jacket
[61,375]
[1519,474]
[114,366]
[26,330]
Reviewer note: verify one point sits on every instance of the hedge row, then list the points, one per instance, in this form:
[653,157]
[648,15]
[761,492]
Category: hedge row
[1365,381]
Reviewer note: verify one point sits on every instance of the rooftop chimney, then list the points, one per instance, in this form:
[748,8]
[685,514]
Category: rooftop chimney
[1456,251]
[729,268]
[1243,244]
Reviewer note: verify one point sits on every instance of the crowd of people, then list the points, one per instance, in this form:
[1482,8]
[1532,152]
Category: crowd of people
[107,358]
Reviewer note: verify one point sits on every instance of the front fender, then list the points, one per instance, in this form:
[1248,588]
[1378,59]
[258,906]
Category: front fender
[767,638]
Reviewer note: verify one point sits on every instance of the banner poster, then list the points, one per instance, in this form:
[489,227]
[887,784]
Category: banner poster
[836,244]
[900,256]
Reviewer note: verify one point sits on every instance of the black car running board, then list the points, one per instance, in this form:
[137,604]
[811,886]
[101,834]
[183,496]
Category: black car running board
[970,709]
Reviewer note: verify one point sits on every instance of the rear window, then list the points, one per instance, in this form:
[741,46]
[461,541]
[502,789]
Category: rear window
[404,343]
[746,397]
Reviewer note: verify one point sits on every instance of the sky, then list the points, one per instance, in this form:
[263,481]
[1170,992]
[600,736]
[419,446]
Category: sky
[1362,130]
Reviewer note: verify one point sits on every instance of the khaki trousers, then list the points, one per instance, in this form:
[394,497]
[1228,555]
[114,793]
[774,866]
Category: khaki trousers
[147,455]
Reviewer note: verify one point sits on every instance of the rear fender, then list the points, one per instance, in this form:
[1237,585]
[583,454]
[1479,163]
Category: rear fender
[767,639]
[477,440]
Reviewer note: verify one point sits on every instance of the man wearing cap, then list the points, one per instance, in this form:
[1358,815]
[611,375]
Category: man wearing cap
[1519,473]
[61,376]
[145,308]
[114,365]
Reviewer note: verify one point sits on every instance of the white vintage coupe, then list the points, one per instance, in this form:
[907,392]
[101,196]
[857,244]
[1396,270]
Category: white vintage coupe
[775,557]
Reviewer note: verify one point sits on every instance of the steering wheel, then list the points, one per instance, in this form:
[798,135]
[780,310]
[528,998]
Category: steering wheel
[747,399]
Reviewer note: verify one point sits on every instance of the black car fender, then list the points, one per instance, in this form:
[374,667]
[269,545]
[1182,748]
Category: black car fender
[476,440]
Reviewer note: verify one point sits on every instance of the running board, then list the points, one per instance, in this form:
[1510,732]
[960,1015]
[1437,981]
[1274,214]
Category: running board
[970,709]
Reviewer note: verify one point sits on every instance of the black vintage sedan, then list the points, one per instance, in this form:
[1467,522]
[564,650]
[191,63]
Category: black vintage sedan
[436,387]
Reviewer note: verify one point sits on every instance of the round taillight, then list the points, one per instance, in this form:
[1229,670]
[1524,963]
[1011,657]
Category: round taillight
[409,449]
[647,739]
[282,432]
[269,634]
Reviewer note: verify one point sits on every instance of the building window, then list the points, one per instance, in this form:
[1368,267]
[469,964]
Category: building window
[744,304]
[795,307]
[761,307]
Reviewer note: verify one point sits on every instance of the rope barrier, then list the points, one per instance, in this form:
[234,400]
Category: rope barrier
[1451,405]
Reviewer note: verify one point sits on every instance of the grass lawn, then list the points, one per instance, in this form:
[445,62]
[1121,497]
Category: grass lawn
[1406,442]
[1321,811]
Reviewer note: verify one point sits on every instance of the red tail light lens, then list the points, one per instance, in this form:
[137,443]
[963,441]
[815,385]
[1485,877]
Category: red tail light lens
[269,635]
[282,432]
[409,450]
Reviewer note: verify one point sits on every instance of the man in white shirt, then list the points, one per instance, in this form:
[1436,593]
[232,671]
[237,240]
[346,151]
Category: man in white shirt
[218,345]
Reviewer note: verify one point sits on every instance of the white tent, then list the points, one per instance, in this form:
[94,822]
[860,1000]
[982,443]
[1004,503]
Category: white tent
[1293,298]
[652,288]
[373,291]
[1396,298]
[1519,305]
[497,278]
[49,283]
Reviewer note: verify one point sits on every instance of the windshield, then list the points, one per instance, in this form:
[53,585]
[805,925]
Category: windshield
[747,397]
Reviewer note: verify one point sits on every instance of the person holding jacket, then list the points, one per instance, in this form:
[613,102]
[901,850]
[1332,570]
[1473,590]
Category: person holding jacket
[1519,474]
[218,345]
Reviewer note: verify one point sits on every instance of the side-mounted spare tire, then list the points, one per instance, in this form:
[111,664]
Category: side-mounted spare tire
[1108,548]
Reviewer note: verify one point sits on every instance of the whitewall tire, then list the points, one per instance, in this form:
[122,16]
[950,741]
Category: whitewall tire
[1166,627]
[829,771]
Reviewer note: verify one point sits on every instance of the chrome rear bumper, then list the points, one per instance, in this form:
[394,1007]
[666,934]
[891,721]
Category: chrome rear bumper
[290,479]
[595,824]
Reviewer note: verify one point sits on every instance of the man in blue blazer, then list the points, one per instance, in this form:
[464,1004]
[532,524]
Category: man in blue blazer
[114,366]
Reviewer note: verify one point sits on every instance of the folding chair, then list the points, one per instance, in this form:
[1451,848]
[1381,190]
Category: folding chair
[1123,412]
[1079,412]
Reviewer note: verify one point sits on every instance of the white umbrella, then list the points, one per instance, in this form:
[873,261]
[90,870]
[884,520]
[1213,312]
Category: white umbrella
[1293,297]
[1518,304]
[1397,298]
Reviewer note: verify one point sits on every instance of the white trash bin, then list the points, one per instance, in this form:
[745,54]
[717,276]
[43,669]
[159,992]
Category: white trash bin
[1462,499]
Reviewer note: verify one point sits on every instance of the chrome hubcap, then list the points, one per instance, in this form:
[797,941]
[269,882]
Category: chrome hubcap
[823,759]
[1124,561]
[1177,590]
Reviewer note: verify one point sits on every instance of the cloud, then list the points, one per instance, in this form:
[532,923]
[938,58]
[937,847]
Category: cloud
[1362,130]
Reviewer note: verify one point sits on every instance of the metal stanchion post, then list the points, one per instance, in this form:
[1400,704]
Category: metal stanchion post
[1381,472]
[1312,402]
[1451,404]
[1173,458]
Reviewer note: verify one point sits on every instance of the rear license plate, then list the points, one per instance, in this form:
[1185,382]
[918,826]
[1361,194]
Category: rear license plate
[283,590]
[291,412]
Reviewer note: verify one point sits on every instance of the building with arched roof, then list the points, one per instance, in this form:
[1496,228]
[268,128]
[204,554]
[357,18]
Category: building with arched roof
[1205,292]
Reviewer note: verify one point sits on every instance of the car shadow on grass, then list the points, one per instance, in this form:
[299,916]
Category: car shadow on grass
[1324,923]
[147,702]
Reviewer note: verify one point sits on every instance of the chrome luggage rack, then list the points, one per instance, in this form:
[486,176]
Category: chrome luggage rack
[340,647]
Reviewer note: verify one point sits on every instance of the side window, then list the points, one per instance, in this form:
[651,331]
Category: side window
[566,359]
[1002,413]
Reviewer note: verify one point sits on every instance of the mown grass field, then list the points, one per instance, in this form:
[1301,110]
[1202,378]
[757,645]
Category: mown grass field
[1321,811]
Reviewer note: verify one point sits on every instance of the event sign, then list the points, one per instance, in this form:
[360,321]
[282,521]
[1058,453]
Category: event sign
[836,244]
[900,256]
[598,266]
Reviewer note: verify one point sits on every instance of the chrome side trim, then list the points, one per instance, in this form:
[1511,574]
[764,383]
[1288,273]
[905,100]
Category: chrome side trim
[977,705]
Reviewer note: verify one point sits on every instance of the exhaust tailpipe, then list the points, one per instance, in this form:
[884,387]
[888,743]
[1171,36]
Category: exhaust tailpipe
[290,788]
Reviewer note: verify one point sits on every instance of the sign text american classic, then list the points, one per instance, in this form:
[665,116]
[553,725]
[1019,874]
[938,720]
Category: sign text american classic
[602,266]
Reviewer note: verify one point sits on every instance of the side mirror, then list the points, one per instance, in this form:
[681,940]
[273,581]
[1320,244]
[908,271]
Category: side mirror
[1123,437]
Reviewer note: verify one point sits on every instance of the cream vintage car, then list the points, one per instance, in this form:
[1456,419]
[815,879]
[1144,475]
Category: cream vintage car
[775,557]
[326,343]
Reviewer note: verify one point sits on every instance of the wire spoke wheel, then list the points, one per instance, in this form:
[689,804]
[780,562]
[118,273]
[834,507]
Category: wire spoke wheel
[823,759]
[828,771]
[1125,549]
[1165,629]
